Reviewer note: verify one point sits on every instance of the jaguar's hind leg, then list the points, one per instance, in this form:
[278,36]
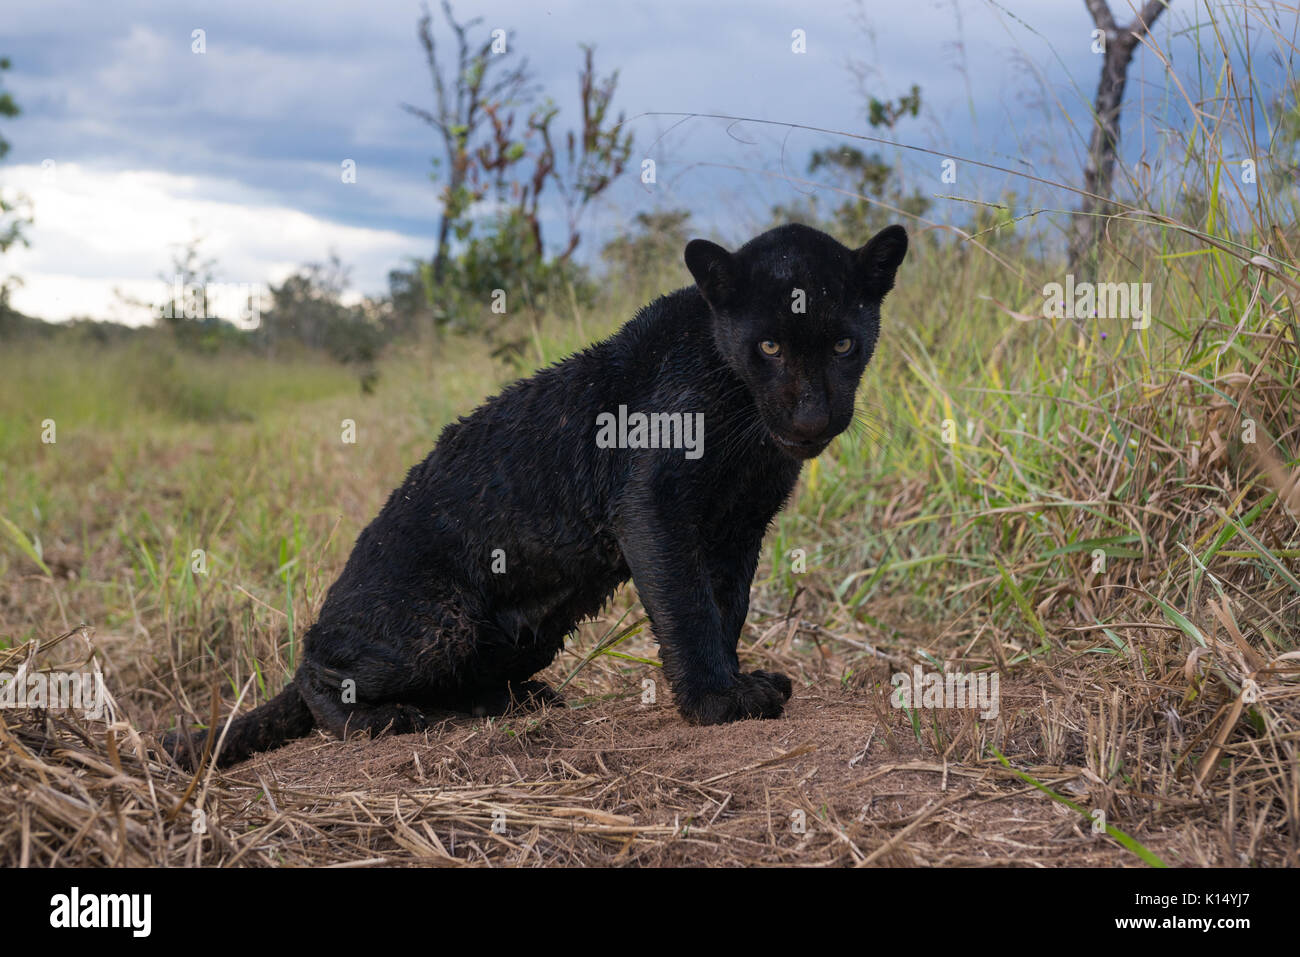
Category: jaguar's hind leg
[342,718]
[501,677]
[448,659]
[389,718]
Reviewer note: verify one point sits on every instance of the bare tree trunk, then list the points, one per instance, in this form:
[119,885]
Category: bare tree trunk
[440,253]
[1099,168]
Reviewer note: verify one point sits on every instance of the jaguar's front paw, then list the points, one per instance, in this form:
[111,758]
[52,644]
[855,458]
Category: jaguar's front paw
[758,694]
[779,681]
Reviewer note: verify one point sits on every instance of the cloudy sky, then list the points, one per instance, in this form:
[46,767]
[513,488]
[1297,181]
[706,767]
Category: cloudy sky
[130,142]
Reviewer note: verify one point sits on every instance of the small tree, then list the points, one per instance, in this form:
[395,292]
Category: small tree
[595,154]
[501,144]
[192,273]
[592,157]
[656,239]
[1103,146]
[867,175]
[307,309]
[482,83]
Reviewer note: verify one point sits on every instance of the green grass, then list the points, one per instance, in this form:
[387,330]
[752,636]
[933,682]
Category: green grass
[1024,495]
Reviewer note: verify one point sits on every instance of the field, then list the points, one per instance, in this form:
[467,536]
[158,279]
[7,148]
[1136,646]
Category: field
[1122,690]
[1101,513]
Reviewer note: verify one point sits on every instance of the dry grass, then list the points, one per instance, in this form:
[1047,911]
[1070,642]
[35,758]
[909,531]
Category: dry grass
[1153,736]
[1114,531]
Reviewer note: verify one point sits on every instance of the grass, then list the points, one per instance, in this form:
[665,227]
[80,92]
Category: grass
[1109,522]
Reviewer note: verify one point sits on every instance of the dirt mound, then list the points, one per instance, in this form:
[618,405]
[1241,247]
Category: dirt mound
[617,782]
[1068,771]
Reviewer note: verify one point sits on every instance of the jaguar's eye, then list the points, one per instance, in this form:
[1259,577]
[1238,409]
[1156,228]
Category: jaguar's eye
[843,347]
[769,348]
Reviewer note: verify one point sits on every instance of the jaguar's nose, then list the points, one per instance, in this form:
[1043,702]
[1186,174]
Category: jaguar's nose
[809,424]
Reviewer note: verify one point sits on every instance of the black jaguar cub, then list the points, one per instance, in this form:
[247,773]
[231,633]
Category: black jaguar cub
[660,454]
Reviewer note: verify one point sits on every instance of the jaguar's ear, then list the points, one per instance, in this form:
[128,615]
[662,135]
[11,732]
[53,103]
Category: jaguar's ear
[878,260]
[714,270]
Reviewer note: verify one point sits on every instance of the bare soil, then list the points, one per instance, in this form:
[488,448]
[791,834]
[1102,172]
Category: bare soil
[840,780]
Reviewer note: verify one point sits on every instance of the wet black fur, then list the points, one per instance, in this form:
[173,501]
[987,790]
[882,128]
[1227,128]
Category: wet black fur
[420,621]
